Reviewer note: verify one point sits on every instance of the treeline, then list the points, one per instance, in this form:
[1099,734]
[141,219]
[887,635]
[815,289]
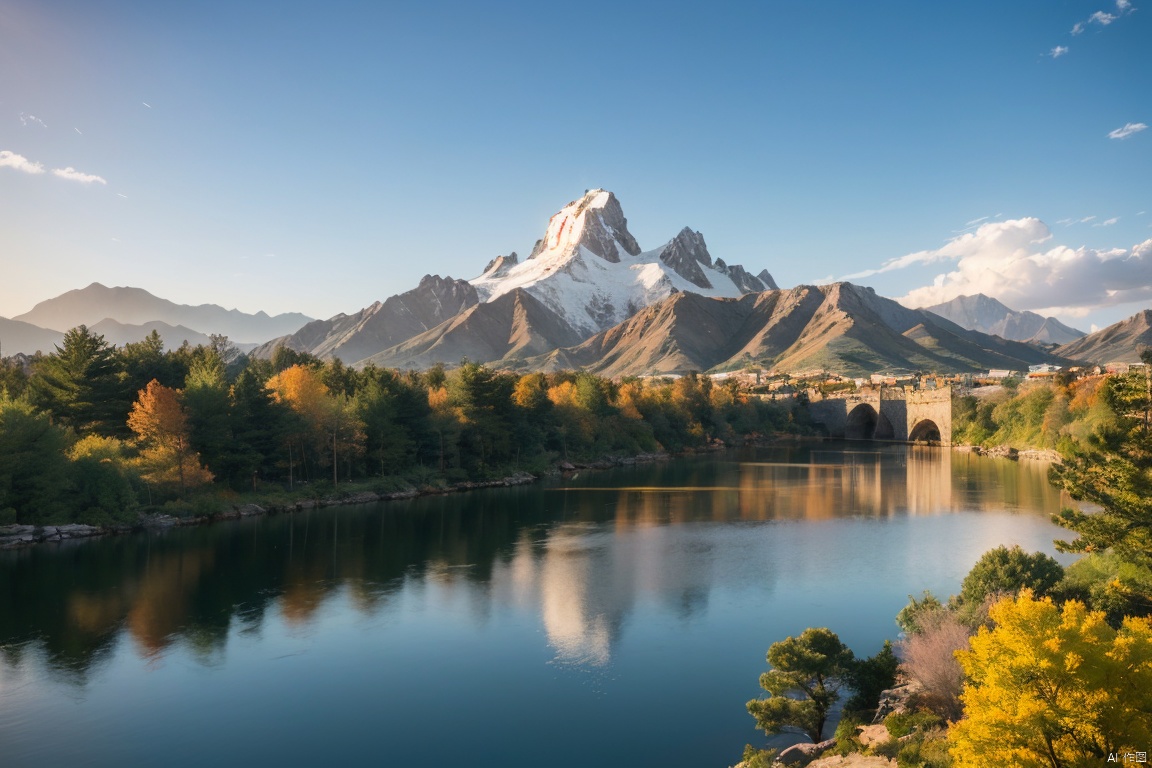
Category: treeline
[1052,413]
[93,433]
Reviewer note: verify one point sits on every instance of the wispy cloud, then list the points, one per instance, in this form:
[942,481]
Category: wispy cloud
[146,104]
[26,120]
[10,159]
[1058,51]
[1104,18]
[72,174]
[1107,222]
[1086,219]
[1016,262]
[1127,130]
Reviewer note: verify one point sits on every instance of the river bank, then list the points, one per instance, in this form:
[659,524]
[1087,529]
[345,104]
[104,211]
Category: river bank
[1008,452]
[17,536]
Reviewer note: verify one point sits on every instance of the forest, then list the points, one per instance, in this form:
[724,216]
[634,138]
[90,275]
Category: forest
[99,434]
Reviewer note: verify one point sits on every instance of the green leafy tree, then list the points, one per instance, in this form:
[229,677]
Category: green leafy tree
[870,677]
[102,482]
[1112,469]
[81,385]
[33,465]
[259,427]
[804,681]
[1008,570]
[13,377]
[206,398]
[145,360]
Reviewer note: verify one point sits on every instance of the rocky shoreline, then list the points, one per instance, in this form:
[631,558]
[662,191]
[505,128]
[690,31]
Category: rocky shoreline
[17,536]
[1007,452]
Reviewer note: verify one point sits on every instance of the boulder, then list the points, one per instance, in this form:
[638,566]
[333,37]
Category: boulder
[895,700]
[77,530]
[871,735]
[248,510]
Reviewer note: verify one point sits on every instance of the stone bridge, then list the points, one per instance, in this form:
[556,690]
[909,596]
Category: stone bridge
[887,413]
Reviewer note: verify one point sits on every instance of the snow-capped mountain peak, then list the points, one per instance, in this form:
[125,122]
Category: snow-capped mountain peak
[589,269]
[596,222]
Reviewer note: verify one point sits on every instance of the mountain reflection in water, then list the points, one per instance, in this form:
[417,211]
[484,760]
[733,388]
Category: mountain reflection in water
[559,546]
[501,627]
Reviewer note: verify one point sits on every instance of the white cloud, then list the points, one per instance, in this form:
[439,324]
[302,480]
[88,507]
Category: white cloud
[1086,219]
[72,174]
[19,162]
[1107,222]
[1014,261]
[1123,5]
[1078,28]
[1127,130]
[1058,51]
[1102,18]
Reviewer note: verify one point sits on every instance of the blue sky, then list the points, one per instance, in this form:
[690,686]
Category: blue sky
[313,157]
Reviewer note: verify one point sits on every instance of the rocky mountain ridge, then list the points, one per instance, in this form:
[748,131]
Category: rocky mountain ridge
[1120,342]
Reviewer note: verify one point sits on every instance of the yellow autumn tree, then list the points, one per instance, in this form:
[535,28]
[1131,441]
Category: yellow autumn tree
[330,425]
[161,426]
[1054,687]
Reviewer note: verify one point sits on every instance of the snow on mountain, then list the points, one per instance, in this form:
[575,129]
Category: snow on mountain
[589,269]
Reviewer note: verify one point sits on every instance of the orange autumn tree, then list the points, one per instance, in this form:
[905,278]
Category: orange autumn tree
[329,425]
[161,426]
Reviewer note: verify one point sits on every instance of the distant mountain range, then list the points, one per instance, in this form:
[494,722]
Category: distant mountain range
[20,337]
[135,306]
[588,296]
[987,315]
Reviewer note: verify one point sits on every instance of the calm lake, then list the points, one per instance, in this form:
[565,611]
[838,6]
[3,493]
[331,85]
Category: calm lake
[614,618]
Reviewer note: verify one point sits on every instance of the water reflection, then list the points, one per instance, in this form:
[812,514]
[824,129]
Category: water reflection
[577,553]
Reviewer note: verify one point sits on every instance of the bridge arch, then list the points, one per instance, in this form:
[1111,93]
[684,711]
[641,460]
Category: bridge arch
[924,431]
[861,423]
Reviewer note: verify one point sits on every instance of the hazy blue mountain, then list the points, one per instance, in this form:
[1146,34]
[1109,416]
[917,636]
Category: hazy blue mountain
[987,315]
[20,337]
[136,306]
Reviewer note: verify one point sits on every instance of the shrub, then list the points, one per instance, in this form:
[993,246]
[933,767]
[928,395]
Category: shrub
[901,724]
[847,740]
[918,612]
[757,758]
[1007,571]
[928,750]
[929,660]
[869,677]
